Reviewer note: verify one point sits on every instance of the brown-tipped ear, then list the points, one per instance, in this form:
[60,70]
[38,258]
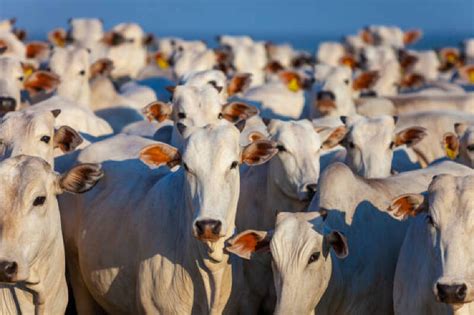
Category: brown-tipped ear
[408,205]
[460,128]
[67,139]
[57,37]
[365,80]
[20,34]
[81,178]
[325,106]
[148,39]
[248,242]
[412,81]
[273,67]
[3,47]
[331,136]
[367,37]
[157,110]
[239,83]
[103,66]
[236,111]
[160,154]
[412,36]
[37,49]
[449,56]
[338,242]
[467,73]
[258,152]
[451,145]
[256,135]
[410,136]
[170,88]
[348,61]
[292,80]
[113,38]
[41,81]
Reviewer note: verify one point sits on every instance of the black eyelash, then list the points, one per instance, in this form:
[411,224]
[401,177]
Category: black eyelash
[39,201]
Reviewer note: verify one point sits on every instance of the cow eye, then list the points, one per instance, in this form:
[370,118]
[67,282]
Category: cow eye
[470,147]
[186,167]
[281,148]
[220,116]
[346,81]
[234,165]
[351,145]
[429,220]
[21,79]
[181,115]
[45,139]
[39,201]
[314,257]
[392,145]
[82,72]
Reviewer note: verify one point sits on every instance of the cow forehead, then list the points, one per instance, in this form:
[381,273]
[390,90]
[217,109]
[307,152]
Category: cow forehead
[21,171]
[450,195]
[295,133]
[9,66]
[368,129]
[67,57]
[36,122]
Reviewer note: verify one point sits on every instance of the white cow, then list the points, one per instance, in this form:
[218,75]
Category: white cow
[460,145]
[32,266]
[435,263]
[180,223]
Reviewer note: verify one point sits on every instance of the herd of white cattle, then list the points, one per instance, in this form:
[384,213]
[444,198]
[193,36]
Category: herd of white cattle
[144,175]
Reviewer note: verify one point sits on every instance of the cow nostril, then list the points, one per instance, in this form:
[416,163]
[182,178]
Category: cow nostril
[208,227]
[7,104]
[461,292]
[441,292]
[216,229]
[200,227]
[8,269]
[311,190]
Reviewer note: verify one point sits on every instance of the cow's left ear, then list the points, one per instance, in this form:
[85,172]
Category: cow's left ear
[451,145]
[249,242]
[408,205]
[467,73]
[258,152]
[365,80]
[330,137]
[57,37]
[338,242]
[238,83]
[160,154]
[67,139]
[412,36]
[80,178]
[41,81]
[237,111]
[410,136]
[103,66]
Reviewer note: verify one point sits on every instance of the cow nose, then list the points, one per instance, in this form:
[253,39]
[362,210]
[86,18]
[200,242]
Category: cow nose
[8,271]
[451,293]
[208,229]
[325,95]
[368,94]
[7,104]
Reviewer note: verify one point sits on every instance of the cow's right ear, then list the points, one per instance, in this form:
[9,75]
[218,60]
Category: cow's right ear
[80,178]
[451,145]
[67,139]
[258,152]
[248,242]
[41,81]
[160,154]
[57,37]
[408,205]
[157,110]
[103,66]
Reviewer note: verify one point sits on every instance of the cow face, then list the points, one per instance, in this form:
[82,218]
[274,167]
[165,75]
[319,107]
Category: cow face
[29,215]
[370,143]
[302,265]
[295,169]
[461,144]
[210,162]
[38,137]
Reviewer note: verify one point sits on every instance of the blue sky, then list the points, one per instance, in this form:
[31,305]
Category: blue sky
[303,22]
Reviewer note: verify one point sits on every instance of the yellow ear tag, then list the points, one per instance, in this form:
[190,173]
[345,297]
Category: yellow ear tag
[27,72]
[451,57]
[293,85]
[162,63]
[470,76]
[449,152]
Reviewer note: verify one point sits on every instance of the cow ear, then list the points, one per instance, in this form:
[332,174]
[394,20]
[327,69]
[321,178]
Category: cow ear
[460,128]
[103,66]
[67,139]
[338,242]
[80,178]
[331,137]
[467,73]
[451,145]
[292,80]
[37,49]
[238,83]
[160,154]
[258,152]
[256,135]
[365,80]
[236,111]
[410,136]
[41,81]
[248,242]
[57,37]
[113,38]
[367,37]
[158,111]
[408,205]
[411,36]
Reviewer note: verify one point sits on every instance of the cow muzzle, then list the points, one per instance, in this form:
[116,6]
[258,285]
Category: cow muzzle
[208,230]
[451,293]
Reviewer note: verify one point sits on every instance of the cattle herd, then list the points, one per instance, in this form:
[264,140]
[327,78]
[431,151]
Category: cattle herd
[157,175]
